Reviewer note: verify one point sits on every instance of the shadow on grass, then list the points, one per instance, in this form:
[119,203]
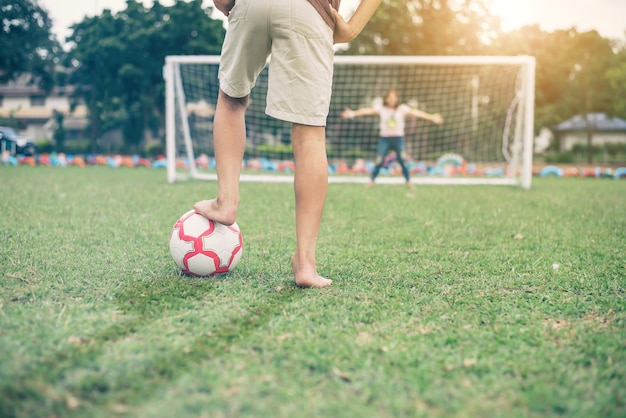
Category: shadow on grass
[40,388]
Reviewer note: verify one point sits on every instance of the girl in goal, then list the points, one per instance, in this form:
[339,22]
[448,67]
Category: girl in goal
[392,115]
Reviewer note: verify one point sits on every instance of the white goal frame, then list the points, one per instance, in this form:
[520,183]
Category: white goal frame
[523,137]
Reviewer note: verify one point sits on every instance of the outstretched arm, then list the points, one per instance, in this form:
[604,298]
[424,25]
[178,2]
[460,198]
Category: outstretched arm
[347,31]
[433,117]
[351,114]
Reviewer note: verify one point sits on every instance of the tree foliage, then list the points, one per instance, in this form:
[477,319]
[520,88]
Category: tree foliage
[27,44]
[426,27]
[571,70]
[616,76]
[117,61]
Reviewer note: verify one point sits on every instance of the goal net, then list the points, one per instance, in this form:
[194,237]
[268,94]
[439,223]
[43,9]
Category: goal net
[487,103]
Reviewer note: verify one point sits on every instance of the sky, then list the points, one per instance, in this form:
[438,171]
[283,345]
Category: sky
[608,17]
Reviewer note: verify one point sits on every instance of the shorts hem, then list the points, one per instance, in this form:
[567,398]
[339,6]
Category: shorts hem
[232,91]
[296,118]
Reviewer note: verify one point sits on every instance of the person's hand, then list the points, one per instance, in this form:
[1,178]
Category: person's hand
[343,33]
[347,31]
[347,114]
[437,118]
[224,6]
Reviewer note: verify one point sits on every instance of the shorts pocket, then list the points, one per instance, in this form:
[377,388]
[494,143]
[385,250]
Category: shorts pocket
[239,11]
[307,21]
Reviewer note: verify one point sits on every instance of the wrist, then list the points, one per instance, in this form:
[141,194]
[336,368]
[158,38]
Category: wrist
[355,30]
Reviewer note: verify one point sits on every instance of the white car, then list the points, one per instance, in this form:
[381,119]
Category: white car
[15,144]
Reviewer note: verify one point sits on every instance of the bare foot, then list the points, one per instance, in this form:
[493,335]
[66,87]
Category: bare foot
[409,185]
[308,277]
[369,185]
[212,209]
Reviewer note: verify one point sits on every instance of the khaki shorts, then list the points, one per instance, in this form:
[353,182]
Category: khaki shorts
[301,64]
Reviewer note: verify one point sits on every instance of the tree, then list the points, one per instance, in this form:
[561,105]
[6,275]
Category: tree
[26,42]
[60,134]
[589,86]
[616,76]
[118,62]
[94,60]
[426,27]
[571,75]
[553,52]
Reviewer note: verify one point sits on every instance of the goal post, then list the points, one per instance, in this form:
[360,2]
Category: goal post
[487,103]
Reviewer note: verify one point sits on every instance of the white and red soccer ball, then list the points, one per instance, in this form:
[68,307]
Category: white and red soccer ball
[202,247]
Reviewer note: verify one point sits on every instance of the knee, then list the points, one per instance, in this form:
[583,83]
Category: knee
[309,135]
[235,103]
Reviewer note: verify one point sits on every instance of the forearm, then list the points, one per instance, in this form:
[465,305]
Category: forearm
[362,15]
[365,112]
[351,114]
[432,117]
[347,31]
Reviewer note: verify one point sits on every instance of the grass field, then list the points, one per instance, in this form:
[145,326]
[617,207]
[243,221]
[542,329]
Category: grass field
[465,301]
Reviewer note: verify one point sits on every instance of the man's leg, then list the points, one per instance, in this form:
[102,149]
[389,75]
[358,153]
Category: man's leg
[229,137]
[310,186]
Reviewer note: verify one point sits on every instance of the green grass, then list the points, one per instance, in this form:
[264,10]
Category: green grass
[445,302]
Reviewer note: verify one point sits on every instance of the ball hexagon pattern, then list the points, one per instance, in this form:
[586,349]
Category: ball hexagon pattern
[202,247]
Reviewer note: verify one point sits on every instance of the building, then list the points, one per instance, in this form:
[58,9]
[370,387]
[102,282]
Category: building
[574,131]
[34,109]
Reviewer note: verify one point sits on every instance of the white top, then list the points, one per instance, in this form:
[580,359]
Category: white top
[392,120]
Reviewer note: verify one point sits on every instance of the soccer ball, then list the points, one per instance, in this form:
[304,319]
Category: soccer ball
[202,247]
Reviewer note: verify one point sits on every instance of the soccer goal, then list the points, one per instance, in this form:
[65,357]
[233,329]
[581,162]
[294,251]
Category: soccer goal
[487,103]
